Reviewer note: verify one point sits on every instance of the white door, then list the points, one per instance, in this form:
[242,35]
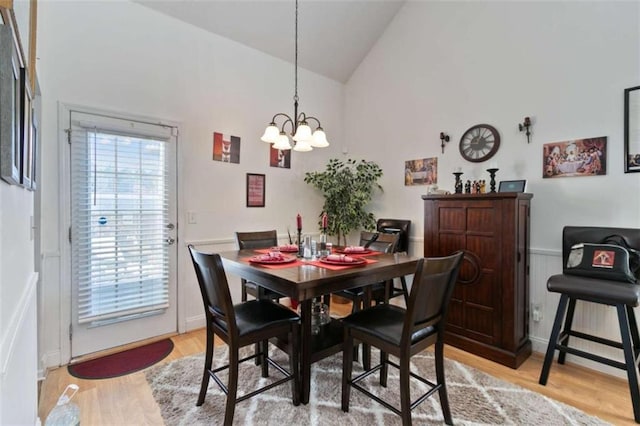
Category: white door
[123,230]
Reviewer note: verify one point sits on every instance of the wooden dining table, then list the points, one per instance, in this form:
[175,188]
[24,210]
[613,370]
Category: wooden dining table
[305,280]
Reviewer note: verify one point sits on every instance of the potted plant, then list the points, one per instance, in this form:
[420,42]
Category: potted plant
[348,187]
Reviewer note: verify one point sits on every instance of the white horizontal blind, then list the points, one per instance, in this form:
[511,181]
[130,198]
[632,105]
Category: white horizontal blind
[119,217]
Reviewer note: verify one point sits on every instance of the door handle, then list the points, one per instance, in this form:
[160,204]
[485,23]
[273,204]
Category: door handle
[170,226]
[170,241]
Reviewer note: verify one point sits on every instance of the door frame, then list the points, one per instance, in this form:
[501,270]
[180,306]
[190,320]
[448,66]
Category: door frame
[64,216]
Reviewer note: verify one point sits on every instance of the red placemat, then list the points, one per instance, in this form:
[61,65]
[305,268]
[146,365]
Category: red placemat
[339,267]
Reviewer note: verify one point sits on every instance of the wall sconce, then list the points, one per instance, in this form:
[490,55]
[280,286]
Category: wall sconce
[443,138]
[525,126]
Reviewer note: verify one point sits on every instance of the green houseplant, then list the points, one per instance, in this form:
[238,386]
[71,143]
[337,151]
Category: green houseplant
[348,187]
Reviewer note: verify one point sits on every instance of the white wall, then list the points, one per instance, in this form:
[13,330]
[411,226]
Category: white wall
[18,282]
[123,57]
[446,66]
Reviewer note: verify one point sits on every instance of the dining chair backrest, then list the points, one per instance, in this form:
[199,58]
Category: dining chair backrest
[385,243]
[431,291]
[218,305]
[258,239]
[396,226]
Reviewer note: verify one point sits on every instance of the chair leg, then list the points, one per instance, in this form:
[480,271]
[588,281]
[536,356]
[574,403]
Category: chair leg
[568,323]
[553,340]
[440,379]
[633,327]
[294,362]
[355,307]
[384,371]
[405,397]
[629,357]
[208,359]
[232,386]
[347,365]
[264,353]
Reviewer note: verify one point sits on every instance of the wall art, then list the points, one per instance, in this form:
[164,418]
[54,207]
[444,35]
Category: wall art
[280,158]
[421,172]
[10,108]
[580,157]
[226,148]
[255,190]
[632,130]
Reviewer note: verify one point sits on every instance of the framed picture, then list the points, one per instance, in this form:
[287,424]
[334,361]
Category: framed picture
[26,131]
[575,158]
[226,148]
[632,130]
[423,171]
[10,108]
[512,186]
[280,158]
[255,190]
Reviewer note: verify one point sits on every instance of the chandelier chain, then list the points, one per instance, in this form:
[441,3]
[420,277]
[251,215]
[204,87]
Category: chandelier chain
[295,97]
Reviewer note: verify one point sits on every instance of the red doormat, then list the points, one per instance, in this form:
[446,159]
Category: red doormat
[122,363]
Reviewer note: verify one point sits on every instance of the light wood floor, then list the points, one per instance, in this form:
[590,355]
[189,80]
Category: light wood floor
[127,400]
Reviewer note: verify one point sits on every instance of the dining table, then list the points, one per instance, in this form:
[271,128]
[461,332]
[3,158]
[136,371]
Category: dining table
[303,280]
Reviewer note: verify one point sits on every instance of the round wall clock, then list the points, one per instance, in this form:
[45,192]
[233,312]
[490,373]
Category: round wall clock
[479,143]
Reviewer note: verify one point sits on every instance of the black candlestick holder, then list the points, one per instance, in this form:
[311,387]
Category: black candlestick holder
[492,183]
[458,186]
[300,247]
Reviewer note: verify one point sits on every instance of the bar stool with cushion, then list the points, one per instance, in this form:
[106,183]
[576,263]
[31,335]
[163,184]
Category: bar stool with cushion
[623,296]
[404,333]
[247,323]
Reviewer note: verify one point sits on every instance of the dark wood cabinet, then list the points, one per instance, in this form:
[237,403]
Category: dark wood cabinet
[489,311]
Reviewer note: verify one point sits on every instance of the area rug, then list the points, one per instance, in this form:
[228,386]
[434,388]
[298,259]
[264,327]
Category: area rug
[475,398]
[122,363]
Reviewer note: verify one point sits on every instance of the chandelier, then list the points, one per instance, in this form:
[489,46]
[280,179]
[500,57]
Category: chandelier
[303,139]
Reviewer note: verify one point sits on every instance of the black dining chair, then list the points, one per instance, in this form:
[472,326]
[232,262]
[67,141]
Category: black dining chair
[376,292]
[257,240]
[402,228]
[404,333]
[247,323]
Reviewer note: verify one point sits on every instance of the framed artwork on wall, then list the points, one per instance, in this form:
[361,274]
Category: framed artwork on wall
[26,139]
[10,108]
[226,148]
[255,190]
[632,130]
[575,158]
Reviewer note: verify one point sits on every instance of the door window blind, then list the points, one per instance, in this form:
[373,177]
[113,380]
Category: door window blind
[119,217]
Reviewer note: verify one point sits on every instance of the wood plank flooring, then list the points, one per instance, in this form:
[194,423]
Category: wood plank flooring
[127,400]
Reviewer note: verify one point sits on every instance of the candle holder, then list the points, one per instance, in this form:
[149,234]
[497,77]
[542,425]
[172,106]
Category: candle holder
[300,247]
[458,185]
[492,183]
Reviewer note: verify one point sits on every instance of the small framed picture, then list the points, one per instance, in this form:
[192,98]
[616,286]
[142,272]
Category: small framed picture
[255,190]
[512,186]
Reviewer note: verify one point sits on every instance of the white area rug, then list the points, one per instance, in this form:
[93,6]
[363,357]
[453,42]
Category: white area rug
[475,398]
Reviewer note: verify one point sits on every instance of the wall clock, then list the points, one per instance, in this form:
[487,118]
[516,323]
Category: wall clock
[479,143]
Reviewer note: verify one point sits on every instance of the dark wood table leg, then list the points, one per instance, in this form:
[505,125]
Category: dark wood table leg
[305,358]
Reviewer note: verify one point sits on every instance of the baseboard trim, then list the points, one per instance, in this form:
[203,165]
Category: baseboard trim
[195,322]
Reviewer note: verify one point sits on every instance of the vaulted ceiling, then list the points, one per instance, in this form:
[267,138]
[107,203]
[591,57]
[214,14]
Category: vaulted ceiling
[334,36]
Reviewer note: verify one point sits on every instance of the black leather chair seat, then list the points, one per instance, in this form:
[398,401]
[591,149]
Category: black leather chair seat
[595,290]
[385,322]
[254,315]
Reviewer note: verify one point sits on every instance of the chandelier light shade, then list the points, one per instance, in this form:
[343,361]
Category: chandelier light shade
[303,138]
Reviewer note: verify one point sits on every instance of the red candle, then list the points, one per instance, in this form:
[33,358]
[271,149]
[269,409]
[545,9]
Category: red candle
[325,220]
[299,221]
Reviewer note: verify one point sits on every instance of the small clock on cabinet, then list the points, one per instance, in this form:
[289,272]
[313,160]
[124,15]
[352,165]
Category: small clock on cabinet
[479,143]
